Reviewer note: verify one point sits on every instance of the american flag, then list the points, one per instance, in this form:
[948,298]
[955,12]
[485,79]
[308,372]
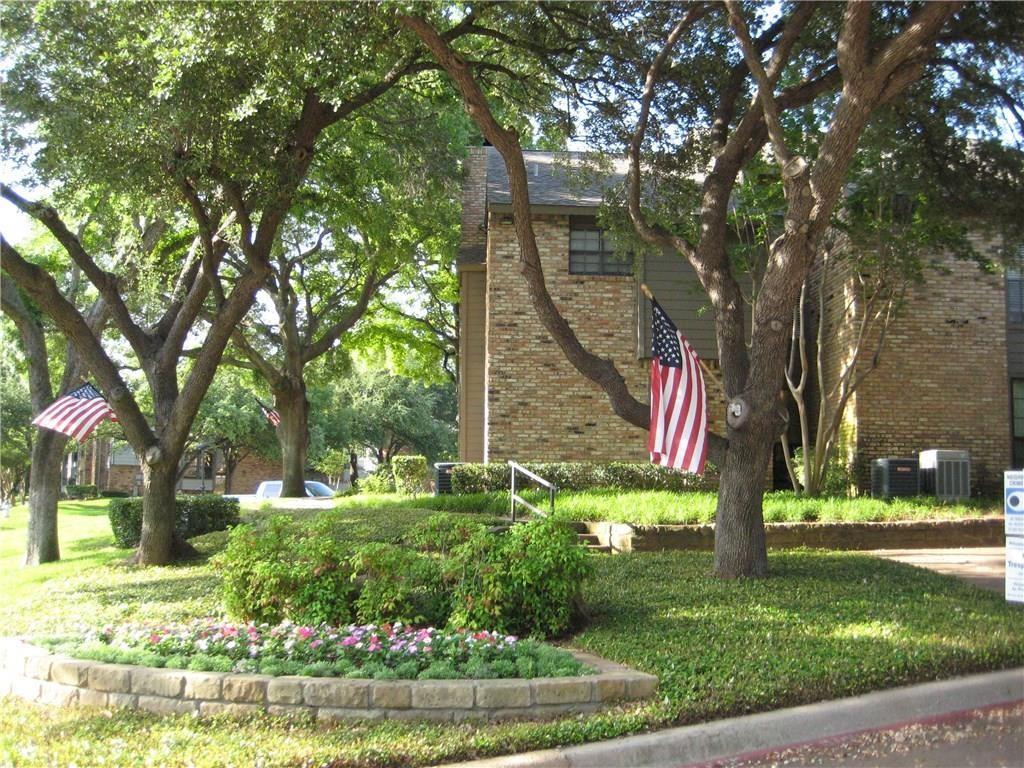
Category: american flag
[77,413]
[271,413]
[679,405]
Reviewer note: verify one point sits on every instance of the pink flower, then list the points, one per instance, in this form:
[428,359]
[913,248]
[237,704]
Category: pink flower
[304,633]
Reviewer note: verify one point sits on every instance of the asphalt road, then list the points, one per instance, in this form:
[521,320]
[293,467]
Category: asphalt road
[985,738]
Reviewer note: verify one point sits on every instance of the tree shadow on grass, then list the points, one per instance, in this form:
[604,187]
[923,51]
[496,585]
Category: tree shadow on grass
[823,625]
[167,589]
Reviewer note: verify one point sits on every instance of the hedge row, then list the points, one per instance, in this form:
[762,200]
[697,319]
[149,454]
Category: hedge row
[196,515]
[579,476]
[81,491]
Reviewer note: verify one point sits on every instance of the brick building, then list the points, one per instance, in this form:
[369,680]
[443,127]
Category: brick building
[113,466]
[952,377]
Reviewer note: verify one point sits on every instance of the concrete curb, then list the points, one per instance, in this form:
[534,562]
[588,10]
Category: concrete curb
[770,730]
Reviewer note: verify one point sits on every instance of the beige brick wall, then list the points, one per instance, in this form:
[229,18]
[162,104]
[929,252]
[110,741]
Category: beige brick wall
[539,407]
[942,381]
[250,472]
[473,239]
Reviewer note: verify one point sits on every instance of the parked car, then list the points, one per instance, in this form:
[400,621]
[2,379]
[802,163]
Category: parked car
[271,489]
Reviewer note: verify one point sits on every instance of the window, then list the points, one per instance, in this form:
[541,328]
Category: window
[1015,294]
[592,252]
[1017,390]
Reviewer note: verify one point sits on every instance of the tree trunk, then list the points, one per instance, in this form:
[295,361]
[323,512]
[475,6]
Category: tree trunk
[353,461]
[158,513]
[293,435]
[229,472]
[44,493]
[740,548]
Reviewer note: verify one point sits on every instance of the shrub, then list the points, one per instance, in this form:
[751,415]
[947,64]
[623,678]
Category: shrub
[397,584]
[578,476]
[410,473]
[286,571]
[114,494]
[381,481]
[442,532]
[196,515]
[526,581]
[81,491]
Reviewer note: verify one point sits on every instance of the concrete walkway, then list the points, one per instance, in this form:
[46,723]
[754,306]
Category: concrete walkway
[982,566]
[696,744]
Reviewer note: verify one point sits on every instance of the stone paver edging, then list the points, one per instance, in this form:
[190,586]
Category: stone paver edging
[903,534]
[33,673]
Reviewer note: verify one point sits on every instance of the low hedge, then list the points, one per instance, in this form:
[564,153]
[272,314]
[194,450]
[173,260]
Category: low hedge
[579,476]
[196,515]
[81,491]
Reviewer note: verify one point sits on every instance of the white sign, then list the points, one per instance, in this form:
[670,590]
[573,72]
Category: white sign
[1013,502]
[1015,570]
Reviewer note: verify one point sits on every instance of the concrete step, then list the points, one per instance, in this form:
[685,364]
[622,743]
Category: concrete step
[599,549]
[588,538]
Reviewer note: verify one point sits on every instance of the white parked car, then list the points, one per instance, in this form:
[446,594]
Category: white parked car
[271,489]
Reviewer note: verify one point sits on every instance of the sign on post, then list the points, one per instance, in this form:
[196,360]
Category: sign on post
[1013,510]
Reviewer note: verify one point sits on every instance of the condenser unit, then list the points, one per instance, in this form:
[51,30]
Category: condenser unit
[443,478]
[946,475]
[894,477]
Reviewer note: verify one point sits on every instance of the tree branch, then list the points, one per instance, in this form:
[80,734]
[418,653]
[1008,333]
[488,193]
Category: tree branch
[38,284]
[105,282]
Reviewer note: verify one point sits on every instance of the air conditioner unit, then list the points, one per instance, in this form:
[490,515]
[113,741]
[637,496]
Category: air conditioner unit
[443,482]
[894,477]
[946,474]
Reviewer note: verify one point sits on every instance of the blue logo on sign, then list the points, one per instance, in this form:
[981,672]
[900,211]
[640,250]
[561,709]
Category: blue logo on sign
[1015,501]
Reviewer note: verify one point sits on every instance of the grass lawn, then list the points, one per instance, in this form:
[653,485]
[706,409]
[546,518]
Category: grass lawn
[824,625]
[673,508]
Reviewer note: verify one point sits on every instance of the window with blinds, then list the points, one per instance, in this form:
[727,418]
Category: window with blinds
[591,251]
[1015,294]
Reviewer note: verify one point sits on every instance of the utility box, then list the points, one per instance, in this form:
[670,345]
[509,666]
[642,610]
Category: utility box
[892,477]
[946,475]
[444,476]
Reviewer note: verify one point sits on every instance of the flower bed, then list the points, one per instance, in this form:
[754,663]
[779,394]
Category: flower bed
[387,652]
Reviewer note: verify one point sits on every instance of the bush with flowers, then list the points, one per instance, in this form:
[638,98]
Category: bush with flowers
[384,652]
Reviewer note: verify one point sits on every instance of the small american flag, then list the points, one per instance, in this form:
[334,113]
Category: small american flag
[77,413]
[271,413]
[679,406]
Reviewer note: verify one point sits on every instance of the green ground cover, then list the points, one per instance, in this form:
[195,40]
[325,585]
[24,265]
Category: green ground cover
[675,508]
[824,625]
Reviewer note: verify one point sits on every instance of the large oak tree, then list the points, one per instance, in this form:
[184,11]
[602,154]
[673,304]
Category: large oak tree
[703,89]
[211,114]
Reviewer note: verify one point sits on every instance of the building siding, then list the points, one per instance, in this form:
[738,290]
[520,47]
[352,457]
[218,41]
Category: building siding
[676,287]
[472,363]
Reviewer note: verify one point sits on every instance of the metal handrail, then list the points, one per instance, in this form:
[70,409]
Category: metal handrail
[517,499]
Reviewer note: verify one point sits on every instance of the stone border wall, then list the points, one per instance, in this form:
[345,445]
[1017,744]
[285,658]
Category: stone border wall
[34,674]
[913,534]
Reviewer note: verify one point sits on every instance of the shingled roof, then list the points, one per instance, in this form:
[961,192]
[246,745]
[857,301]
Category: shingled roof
[555,179]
